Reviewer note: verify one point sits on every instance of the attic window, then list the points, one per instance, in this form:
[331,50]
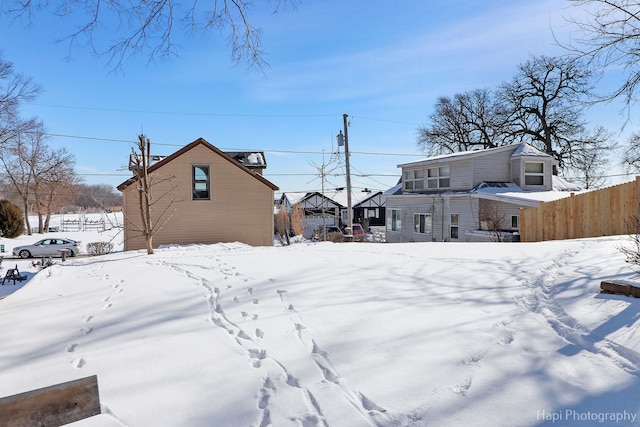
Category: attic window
[414,179]
[201,182]
[533,173]
[438,177]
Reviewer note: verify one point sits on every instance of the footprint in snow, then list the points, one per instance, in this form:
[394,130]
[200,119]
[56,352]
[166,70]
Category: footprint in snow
[462,389]
[70,348]
[78,363]
[370,405]
[244,336]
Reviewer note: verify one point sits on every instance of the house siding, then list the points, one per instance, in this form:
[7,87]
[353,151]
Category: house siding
[517,172]
[461,175]
[240,206]
[440,207]
[467,209]
[492,168]
[467,170]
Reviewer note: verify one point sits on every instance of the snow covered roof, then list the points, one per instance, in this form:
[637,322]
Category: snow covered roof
[508,192]
[518,150]
[528,150]
[162,160]
[338,196]
[396,189]
[250,159]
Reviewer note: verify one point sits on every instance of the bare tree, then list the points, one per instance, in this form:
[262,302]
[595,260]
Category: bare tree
[155,209]
[19,173]
[492,218]
[15,88]
[37,174]
[468,121]
[632,153]
[54,178]
[546,100]
[610,37]
[587,166]
[97,196]
[632,250]
[149,27]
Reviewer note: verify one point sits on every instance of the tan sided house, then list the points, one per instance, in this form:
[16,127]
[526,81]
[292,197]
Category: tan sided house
[205,196]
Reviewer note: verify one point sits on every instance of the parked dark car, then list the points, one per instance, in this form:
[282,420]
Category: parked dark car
[47,247]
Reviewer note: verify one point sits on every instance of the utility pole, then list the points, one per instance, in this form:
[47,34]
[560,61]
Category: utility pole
[345,140]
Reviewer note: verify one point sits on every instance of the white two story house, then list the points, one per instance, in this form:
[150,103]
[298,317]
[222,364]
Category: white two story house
[472,195]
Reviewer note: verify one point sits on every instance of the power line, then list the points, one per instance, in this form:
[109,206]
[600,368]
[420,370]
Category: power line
[180,113]
[275,151]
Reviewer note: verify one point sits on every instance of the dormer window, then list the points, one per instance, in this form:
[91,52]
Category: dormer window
[533,173]
[414,179]
[438,177]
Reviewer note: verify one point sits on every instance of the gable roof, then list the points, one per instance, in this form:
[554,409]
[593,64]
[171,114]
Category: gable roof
[519,150]
[337,197]
[186,148]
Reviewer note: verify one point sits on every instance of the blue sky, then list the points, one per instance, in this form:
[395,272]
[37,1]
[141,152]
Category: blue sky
[382,63]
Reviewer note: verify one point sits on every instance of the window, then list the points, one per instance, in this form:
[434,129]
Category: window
[422,223]
[414,179]
[533,173]
[201,182]
[514,222]
[393,220]
[371,213]
[438,177]
[454,226]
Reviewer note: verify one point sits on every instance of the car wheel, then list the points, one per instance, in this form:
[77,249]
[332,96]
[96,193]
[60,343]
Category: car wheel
[24,254]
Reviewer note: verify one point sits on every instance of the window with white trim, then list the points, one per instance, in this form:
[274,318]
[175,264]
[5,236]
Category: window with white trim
[438,177]
[371,213]
[453,234]
[394,222]
[533,173]
[422,223]
[201,182]
[414,179]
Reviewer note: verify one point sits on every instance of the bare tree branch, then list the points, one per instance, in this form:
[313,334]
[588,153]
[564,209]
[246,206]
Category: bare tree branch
[148,27]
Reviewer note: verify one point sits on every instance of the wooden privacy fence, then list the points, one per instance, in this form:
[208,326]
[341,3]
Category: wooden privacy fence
[605,212]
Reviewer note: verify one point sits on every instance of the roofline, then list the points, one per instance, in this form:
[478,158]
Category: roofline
[203,142]
[466,155]
[512,200]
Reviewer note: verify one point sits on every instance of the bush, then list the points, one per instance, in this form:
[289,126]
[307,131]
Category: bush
[11,220]
[99,248]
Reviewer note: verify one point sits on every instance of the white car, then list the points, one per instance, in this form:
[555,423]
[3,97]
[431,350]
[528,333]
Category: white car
[47,247]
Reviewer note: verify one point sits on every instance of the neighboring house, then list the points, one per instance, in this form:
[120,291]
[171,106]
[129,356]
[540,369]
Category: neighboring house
[471,195]
[331,207]
[210,198]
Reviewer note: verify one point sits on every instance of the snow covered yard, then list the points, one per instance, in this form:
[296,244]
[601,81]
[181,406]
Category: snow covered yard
[435,334]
